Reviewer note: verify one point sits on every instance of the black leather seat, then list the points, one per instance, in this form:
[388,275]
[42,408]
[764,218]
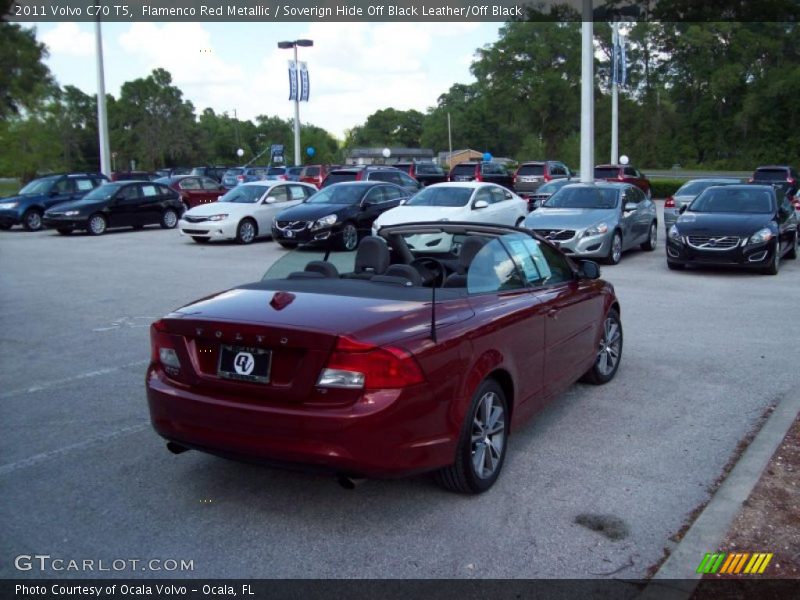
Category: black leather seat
[372,258]
[406,272]
[321,266]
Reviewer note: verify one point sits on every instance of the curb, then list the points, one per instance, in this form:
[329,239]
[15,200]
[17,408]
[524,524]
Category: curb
[677,579]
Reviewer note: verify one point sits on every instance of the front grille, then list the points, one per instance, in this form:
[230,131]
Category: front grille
[195,231]
[710,242]
[559,235]
[293,225]
[191,219]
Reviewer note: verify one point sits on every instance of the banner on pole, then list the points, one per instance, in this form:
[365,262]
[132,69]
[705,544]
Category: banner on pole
[292,80]
[304,82]
[619,66]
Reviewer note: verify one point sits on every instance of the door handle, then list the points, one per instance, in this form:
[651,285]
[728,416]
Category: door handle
[553,313]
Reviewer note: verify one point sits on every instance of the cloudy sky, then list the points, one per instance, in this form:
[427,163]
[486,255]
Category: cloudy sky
[355,68]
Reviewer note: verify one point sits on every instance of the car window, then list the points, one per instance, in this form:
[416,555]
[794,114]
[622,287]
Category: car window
[64,186]
[129,193]
[209,184]
[375,195]
[388,176]
[533,170]
[498,195]
[190,183]
[280,193]
[311,172]
[560,271]
[164,190]
[631,197]
[393,193]
[605,172]
[484,194]
[297,192]
[493,270]
[528,256]
[83,185]
[630,171]
[149,191]
[407,180]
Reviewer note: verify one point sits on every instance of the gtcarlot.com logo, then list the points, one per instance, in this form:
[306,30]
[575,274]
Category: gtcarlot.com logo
[45,562]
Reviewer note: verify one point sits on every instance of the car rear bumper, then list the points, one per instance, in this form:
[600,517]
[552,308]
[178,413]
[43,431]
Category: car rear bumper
[386,433]
[755,256]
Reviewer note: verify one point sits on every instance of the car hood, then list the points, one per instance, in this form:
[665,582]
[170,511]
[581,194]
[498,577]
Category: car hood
[362,318]
[721,223]
[216,208]
[569,218]
[417,214]
[22,198]
[309,212]
[81,205]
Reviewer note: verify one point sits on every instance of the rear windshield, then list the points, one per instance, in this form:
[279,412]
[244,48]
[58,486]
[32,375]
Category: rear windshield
[312,171]
[531,170]
[428,170]
[606,173]
[441,196]
[693,188]
[339,176]
[733,200]
[276,171]
[553,186]
[464,170]
[583,197]
[233,172]
[770,175]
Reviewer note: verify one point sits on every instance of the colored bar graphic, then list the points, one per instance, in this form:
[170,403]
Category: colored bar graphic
[734,563]
[731,559]
[764,564]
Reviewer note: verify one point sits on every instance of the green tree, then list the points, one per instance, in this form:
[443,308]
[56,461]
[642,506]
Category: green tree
[25,81]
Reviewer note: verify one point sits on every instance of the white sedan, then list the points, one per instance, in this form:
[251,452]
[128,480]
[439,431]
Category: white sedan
[244,213]
[471,201]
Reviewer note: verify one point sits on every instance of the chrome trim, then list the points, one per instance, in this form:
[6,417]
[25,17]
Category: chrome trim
[758,257]
[709,242]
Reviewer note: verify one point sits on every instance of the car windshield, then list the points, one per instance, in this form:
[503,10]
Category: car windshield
[39,186]
[339,194]
[104,192]
[244,194]
[583,197]
[531,170]
[442,196]
[426,169]
[606,172]
[693,188]
[339,176]
[733,200]
[553,186]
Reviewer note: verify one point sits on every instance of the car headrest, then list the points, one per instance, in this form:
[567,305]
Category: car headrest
[372,256]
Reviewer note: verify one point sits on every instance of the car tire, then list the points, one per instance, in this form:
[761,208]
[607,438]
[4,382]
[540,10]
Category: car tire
[609,354]
[97,224]
[652,238]
[614,250]
[246,231]
[169,219]
[32,220]
[64,230]
[775,264]
[186,207]
[462,476]
[675,266]
[201,240]
[287,245]
[792,254]
[348,239]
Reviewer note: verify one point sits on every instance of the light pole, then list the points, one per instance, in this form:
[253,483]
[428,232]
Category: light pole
[587,94]
[102,118]
[285,46]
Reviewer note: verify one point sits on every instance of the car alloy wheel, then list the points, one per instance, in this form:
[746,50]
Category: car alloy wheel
[482,443]
[609,351]
[246,232]
[349,237]
[652,238]
[32,220]
[97,225]
[169,219]
[488,435]
[615,251]
[792,254]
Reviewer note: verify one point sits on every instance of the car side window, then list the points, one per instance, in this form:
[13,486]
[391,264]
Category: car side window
[64,186]
[209,184]
[83,185]
[407,180]
[149,191]
[279,193]
[631,197]
[498,195]
[375,195]
[129,194]
[484,194]
[190,183]
[392,193]
[560,271]
[493,270]
[297,192]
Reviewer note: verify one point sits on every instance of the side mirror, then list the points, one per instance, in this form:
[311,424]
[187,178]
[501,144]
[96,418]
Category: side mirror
[682,209]
[588,269]
[630,206]
[53,193]
[480,204]
[269,200]
[367,204]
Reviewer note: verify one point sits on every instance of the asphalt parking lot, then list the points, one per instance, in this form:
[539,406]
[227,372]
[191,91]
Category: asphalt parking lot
[85,477]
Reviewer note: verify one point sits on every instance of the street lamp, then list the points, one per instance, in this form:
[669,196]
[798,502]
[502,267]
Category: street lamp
[285,46]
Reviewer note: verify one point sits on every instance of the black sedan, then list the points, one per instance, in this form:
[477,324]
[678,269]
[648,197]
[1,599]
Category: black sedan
[738,225]
[121,204]
[340,212]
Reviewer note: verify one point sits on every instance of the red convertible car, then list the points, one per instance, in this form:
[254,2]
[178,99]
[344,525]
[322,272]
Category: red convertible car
[421,351]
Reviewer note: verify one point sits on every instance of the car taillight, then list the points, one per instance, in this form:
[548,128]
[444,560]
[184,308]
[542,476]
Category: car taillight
[750,180]
[546,177]
[163,349]
[669,202]
[240,177]
[356,365]
[514,179]
[620,177]
[790,180]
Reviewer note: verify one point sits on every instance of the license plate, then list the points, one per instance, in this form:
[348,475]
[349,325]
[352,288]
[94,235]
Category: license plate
[244,364]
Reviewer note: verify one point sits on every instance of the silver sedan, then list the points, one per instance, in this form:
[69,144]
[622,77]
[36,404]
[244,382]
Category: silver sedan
[599,220]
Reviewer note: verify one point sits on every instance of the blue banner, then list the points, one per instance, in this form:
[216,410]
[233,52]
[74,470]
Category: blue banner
[304,83]
[619,66]
[292,80]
